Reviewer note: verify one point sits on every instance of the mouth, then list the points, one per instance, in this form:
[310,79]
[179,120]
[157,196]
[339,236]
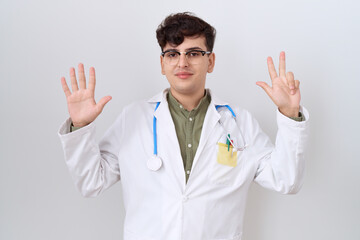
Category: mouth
[183,75]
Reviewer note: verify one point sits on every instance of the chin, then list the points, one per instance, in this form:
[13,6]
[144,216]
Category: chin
[185,86]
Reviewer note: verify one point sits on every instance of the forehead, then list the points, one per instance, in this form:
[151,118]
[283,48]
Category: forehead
[189,42]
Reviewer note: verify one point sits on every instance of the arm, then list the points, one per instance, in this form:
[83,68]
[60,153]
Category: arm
[282,167]
[93,167]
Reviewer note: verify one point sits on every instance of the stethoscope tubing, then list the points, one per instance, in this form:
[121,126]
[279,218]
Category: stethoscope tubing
[228,107]
[216,107]
[154,131]
[154,163]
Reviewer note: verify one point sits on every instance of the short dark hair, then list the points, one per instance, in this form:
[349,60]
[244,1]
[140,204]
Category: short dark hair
[176,27]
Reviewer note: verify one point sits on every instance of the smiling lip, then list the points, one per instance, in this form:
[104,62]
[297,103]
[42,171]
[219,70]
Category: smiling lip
[183,75]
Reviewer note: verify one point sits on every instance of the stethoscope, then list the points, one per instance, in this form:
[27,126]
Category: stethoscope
[154,163]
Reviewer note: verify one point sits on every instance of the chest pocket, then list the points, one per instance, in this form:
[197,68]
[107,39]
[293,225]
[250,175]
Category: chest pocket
[226,155]
[226,165]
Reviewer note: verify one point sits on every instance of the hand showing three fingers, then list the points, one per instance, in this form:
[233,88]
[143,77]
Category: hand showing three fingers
[81,101]
[285,91]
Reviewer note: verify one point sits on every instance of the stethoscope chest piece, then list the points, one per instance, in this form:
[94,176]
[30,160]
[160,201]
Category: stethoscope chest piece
[154,163]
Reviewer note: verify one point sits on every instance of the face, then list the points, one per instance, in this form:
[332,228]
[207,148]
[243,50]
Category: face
[185,78]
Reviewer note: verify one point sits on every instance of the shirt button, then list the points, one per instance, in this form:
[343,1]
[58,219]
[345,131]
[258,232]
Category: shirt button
[181,106]
[189,145]
[188,172]
[190,119]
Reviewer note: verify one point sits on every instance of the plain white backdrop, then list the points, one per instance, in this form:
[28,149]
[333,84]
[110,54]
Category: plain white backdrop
[40,40]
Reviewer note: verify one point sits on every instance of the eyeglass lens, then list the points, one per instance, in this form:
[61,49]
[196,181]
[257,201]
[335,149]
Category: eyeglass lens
[192,57]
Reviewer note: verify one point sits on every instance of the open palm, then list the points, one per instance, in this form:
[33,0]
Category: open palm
[285,91]
[81,101]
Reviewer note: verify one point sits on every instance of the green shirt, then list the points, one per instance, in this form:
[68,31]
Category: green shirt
[188,126]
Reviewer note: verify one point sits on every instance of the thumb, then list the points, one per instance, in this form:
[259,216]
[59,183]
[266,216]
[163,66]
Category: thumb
[265,86]
[101,104]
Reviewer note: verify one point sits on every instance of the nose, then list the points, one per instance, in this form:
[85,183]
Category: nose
[183,62]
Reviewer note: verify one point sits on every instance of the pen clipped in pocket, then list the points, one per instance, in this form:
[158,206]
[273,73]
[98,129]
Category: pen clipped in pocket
[226,155]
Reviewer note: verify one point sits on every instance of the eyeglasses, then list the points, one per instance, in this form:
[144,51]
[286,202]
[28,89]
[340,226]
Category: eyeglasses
[172,57]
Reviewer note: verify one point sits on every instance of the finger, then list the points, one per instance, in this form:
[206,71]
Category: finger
[102,102]
[297,84]
[282,67]
[266,87]
[65,87]
[82,80]
[74,85]
[92,80]
[290,81]
[271,67]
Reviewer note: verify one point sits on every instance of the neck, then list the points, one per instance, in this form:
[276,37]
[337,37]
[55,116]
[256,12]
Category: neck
[188,101]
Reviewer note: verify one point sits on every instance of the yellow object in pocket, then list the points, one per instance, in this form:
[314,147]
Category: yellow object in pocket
[225,157]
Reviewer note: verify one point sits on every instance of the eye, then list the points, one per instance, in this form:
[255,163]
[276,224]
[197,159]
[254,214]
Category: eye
[194,54]
[171,55]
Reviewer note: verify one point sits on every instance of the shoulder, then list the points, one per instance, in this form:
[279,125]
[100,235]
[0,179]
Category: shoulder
[138,106]
[221,105]
[243,118]
[146,105]
[138,109]
[143,107]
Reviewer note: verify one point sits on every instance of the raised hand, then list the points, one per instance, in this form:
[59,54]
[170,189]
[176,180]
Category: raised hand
[285,91]
[81,102]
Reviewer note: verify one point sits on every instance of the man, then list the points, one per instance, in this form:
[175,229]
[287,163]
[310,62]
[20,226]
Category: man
[185,158]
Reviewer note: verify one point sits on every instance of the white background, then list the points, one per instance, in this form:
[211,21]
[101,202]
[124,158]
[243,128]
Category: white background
[41,39]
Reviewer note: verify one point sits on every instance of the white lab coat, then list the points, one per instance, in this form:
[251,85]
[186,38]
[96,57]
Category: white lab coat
[160,205]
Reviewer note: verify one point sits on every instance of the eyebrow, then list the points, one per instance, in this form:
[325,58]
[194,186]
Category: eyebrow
[188,49]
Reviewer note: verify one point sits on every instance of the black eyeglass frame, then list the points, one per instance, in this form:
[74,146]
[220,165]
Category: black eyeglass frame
[186,53]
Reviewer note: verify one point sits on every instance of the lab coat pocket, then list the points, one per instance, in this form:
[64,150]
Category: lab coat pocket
[226,155]
[227,165]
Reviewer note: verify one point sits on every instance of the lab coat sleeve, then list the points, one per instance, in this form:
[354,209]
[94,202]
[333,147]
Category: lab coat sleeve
[93,167]
[281,167]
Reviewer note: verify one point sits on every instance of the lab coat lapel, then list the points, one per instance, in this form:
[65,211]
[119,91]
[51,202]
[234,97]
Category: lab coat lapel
[168,144]
[211,119]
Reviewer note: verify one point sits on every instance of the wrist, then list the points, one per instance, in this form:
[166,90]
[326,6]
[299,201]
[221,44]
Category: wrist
[78,125]
[290,112]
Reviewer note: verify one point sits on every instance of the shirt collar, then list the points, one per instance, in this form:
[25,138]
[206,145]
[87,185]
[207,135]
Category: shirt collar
[175,105]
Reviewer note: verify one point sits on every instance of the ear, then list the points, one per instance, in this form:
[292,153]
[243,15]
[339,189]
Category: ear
[211,63]
[162,65]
